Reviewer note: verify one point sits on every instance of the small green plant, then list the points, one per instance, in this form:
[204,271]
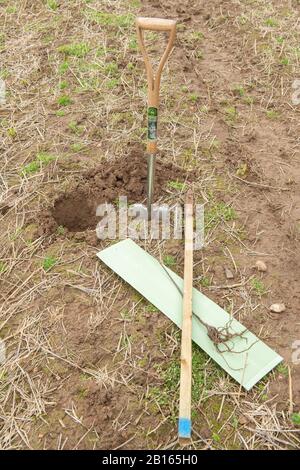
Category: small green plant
[178,185]
[248,100]
[135,3]
[242,169]
[49,262]
[82,392]
[216,438]
[60,230]
[111,69]
[169,260]
[271,22]
[272,114]
[197,36]
[193,97]
[204,109]
[151,308]
[63,67]
[198,54]
[63,85]
[218,212]
[133,46]
[258,286]
[2,267]
[77,147]
[231,113]
[11,132]
[60,113]
[42,159]
[239,90]
[295,418]
[113,83]
[75,128]
[110,19]
[283,369]
[205,281]
[64,100]
[78,50]
[11,10]
[52,4]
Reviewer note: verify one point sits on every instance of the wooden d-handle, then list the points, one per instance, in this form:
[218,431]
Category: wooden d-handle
[154,24]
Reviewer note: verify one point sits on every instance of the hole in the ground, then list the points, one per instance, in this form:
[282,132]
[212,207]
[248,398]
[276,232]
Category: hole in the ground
[76,210]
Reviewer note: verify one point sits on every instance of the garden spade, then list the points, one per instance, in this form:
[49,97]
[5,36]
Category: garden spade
[162,25]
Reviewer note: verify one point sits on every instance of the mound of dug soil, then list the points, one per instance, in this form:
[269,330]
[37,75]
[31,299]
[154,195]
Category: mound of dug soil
[75,210]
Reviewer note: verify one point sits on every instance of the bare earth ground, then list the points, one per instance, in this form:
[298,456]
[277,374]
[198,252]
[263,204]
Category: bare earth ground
[89,363]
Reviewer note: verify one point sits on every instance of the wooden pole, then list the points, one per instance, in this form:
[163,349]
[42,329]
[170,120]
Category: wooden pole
[184,424]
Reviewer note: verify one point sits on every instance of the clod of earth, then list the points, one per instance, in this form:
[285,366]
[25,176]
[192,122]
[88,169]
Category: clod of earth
[228,273]
[261,266]
[277,308]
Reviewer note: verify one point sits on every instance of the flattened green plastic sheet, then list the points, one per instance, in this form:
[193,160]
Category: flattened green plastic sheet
[248,360]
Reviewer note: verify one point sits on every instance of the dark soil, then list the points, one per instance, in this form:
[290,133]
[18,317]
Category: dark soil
[75,209]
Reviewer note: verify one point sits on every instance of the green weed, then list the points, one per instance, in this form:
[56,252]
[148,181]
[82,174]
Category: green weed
[49,262]
[231,113]
[64,100]
[169,260]
[239,90]
[60,113]
[75,128]
[258,286]
[42,159]
[11,132]
[193,97]
[111,69]
[283,369]
[272,114]
[271,22]
[178,185]
[77,147]
[205,281]
[63,67]
[60,230]
[113,83]
[63,85]
[218,212]
[76,50]
[295,418]
[52,4]
[242,169]
[110,19]
[2,267]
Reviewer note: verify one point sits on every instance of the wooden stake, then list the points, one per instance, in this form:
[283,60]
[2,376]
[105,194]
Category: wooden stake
[184,424]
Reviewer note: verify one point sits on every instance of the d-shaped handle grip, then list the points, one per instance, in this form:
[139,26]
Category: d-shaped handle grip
[155,24]
[162,25]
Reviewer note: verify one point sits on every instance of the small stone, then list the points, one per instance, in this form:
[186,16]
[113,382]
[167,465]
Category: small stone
[277,308]
[228,274]
[261,266]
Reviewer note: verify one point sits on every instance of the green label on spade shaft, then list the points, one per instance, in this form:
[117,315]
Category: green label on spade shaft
[152,123]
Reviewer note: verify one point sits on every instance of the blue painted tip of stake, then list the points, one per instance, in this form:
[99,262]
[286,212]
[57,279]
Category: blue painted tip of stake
[184,428]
